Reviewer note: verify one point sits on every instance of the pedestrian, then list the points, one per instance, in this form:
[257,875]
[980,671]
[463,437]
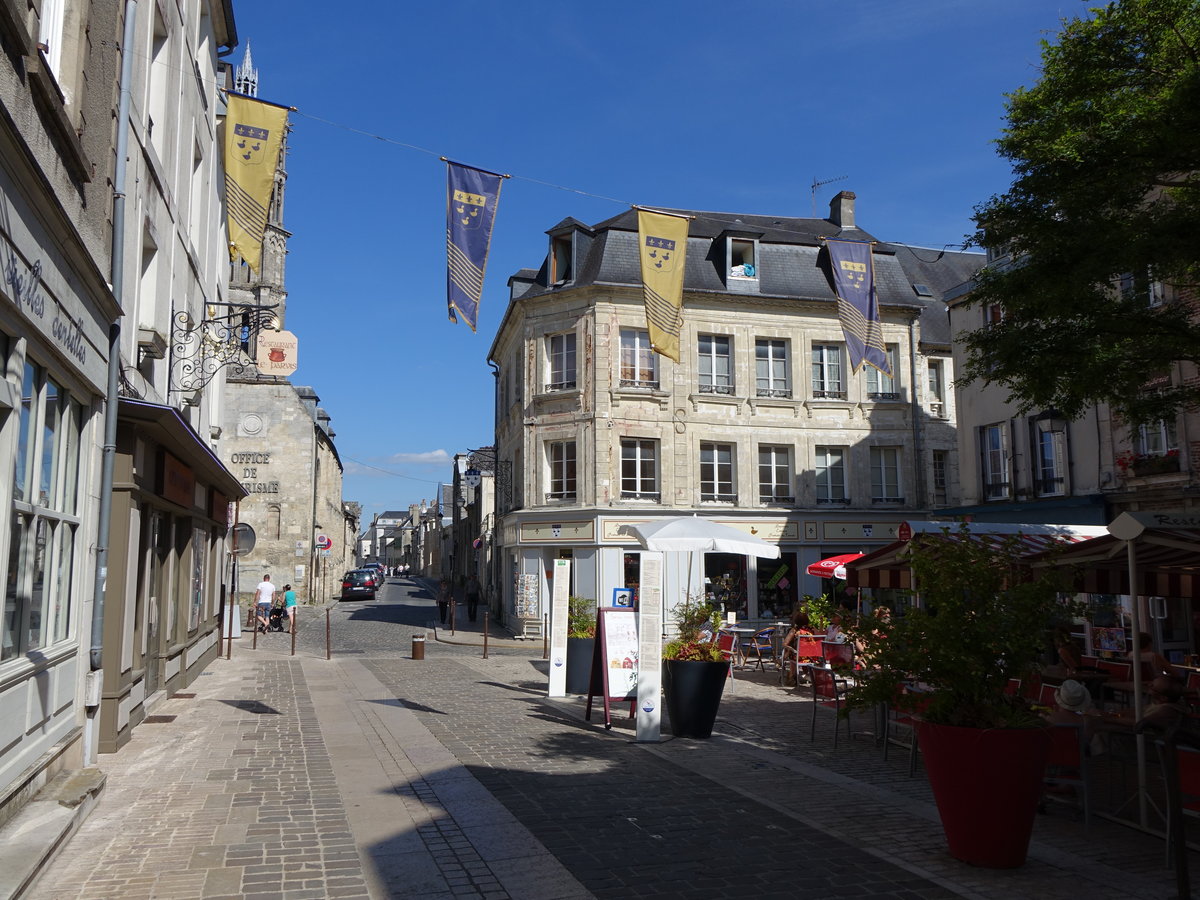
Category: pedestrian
[474,592]
[289,606]
[264,599]
[444,597]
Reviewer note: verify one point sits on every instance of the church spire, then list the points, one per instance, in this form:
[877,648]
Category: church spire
[245,78]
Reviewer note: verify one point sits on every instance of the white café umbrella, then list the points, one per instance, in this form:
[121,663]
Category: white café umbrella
[692,533]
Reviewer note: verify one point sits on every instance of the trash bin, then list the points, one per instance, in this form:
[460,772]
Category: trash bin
[418,650]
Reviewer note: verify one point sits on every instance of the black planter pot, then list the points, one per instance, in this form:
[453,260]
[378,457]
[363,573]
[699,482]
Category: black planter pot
[692,691]
[579,664]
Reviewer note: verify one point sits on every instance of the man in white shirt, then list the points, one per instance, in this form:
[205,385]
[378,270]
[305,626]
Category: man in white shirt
[264,597]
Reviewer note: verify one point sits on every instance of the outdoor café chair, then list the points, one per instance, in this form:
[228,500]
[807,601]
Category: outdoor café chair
[827,694]
[1067,764]
[727,644]
[900,728]
[760,647]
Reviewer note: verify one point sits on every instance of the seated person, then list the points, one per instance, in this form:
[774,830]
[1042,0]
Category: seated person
[1166,709]
[1153,662]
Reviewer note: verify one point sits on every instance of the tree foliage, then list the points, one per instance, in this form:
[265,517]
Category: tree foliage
[984,618]
[1106,201]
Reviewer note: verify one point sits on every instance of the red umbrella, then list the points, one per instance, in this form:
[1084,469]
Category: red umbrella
[833,566]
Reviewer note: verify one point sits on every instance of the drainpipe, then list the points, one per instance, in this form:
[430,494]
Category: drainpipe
[94,681]
[918,460]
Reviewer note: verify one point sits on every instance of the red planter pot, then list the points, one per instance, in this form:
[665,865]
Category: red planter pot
[987,783]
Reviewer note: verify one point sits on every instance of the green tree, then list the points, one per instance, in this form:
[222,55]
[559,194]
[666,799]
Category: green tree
[1105,202]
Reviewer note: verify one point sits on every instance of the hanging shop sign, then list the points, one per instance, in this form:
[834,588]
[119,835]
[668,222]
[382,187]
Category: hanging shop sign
[277,353]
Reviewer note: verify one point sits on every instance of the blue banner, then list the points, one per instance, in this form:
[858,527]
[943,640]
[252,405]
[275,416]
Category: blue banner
[858,306]
[471,199]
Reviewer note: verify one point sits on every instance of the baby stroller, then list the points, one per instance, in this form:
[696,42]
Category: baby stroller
[275,620]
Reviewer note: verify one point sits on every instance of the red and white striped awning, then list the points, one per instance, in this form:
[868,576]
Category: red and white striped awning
[1167,558]
[888,566]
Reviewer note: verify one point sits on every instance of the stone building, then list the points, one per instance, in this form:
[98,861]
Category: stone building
[760,425]
[112,234]
[277,440]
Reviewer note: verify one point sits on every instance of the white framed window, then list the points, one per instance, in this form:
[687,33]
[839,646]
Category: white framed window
[885,475]
[639,469]
[993,450]
[560,455]
[771,368]
[715,364]
[716,472]
[937,389]
[560,358]
[940,494]
[1049,456]
[827,372]
[829,469]
[42,550]
[881,386]
[639,362]
[1157,439]
[775,475]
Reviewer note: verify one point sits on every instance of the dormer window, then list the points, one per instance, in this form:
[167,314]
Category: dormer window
[743,258]
[562,267]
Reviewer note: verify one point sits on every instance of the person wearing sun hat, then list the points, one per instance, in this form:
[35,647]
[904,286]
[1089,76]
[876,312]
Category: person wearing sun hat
[1072,697]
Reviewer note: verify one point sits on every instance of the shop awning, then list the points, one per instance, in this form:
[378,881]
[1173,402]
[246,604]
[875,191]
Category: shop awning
[1166,550]
[173,432]
[888,566]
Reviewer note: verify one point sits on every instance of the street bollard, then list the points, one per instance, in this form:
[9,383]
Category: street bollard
[328,647]
[418,646]
[294,628]
[485,634]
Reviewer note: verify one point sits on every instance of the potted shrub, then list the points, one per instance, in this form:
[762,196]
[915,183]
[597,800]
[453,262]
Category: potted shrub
[581,643]
[694,671]
[983,619]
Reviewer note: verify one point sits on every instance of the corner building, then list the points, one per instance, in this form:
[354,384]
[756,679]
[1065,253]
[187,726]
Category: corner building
[760,425]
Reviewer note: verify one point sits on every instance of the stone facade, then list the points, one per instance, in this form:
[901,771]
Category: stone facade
[760,424]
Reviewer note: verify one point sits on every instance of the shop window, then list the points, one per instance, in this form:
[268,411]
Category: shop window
[42,548]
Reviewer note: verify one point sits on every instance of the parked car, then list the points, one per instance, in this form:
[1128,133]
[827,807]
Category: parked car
[378,569]
[360,584]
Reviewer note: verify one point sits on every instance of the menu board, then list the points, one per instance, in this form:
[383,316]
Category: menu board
[620,653]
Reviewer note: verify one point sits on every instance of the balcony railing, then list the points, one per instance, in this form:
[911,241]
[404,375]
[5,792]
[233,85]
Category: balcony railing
[718,498]
[996,490]
[781,393]
[829,395]
[561,386]
[779,499]
[726,389]
[559,496]
[883,395]
[887,499]
[842,499]
[638,384]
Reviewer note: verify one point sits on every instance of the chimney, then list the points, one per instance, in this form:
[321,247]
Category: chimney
[841,210]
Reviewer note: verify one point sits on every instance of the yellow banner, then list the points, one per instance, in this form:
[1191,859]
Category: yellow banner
[662,247]
[253,135]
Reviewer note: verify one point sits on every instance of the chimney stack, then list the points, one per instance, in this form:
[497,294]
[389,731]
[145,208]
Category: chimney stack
[841,210]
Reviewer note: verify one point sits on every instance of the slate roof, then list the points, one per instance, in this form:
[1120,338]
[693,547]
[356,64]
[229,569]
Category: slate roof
[791,262]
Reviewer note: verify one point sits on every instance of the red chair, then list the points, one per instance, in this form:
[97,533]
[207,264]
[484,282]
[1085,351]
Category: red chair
[1013,688]
[727,644]
[1187,768]
[838,655]
[1067,764]
[827,694]
[1046,695]
[808,648]
[901,723]
[1120,674]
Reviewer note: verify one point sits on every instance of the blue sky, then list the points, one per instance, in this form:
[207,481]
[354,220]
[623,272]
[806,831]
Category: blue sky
[592,107]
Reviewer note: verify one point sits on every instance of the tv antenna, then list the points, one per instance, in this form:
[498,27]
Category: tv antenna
[816,184]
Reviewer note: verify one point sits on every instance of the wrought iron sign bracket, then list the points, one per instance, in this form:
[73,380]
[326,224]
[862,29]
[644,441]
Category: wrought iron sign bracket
[199,350]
